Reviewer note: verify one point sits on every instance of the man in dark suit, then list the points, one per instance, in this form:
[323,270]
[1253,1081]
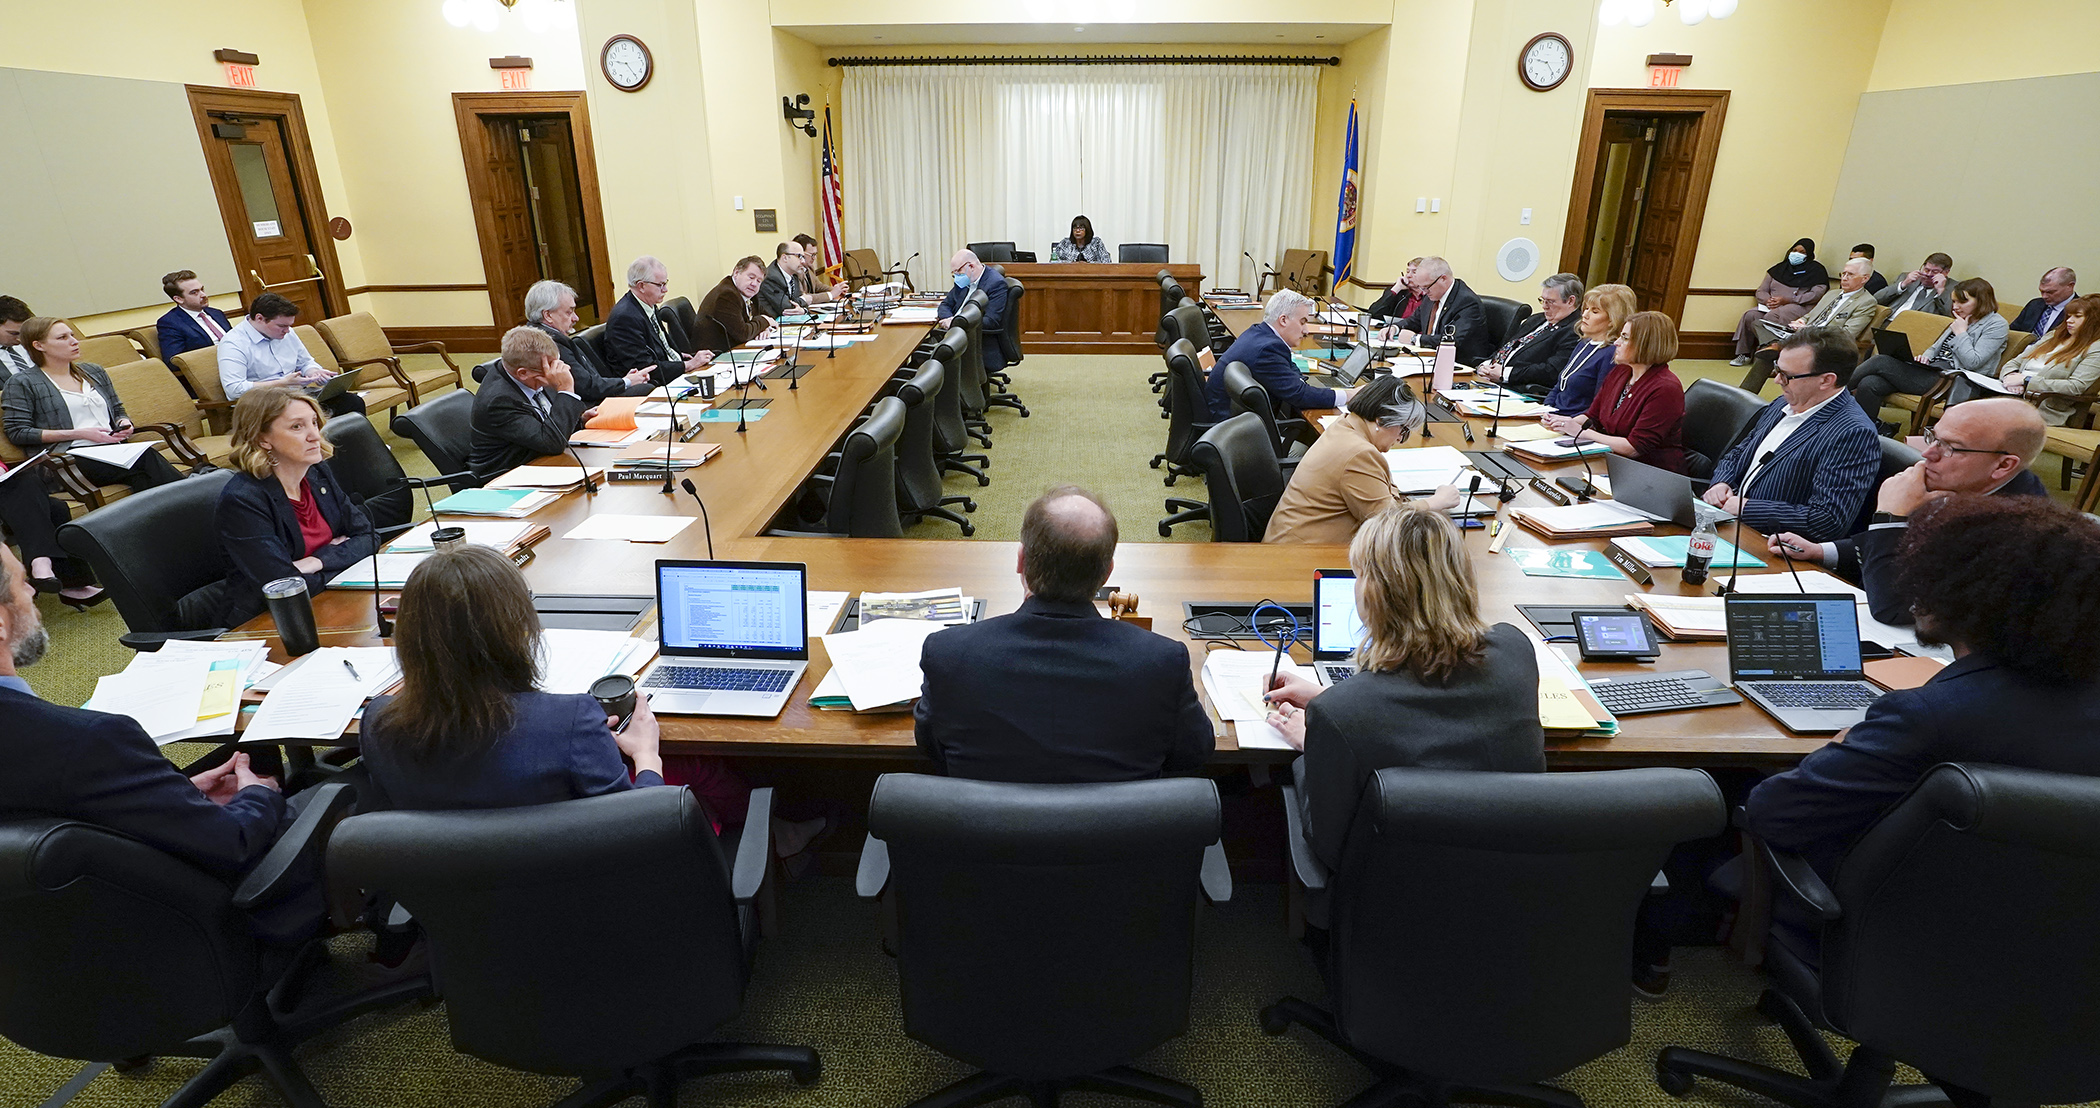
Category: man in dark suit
[2023,690]
[967,273]
[1809,459]
[1265,349]
[527,411]
[1981,448]
[1923,289]
[2040,315]
[634,336]
[1532,361]
[1875,281]
[192,324]
[728,317]
[13,358]
[1447,306]
[787,284]
[1055,692]
[550,306]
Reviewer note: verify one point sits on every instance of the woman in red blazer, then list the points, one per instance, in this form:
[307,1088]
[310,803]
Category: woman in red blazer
[1639,407]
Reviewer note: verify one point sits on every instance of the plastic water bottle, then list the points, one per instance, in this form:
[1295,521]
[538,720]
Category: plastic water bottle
[1699,552]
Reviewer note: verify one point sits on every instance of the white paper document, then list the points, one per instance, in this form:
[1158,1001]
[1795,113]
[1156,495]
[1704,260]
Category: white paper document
[824,611]
[317,697]
[1689,613]
[543,477]
[609,525]
[879,664]
[1595,515]
[393,571]
[162,695]
[1419,470]
[1234,680]
[572,659]
[119,454]
[501,534]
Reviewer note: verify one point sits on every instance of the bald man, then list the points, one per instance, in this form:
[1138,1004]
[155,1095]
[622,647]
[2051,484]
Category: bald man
[1981,448]
[1055,692]
[967,274]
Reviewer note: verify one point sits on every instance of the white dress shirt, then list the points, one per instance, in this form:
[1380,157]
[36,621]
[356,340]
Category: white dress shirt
[13,360]
[247,358]
[209,325]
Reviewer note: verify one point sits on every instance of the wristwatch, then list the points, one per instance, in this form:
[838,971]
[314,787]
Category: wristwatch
[1889,517]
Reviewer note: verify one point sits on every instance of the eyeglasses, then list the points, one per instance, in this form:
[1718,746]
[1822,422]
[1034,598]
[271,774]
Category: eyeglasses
[1933,439]
[659,284]
[1785,377]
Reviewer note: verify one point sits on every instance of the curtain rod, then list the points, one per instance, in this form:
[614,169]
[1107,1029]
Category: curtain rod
[1095,59]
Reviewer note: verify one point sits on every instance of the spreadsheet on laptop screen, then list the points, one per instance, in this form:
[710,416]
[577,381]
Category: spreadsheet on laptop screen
[731,608]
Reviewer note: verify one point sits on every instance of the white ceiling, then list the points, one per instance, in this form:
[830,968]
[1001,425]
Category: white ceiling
[1014,34]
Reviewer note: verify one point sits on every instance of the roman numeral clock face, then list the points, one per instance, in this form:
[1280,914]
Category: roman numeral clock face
[1545,62]
[626,63]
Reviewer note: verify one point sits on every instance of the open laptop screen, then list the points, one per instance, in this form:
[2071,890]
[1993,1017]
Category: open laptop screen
[1336,628]
[732,609]
[1814,636]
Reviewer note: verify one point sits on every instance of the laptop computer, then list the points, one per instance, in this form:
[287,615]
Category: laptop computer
[1346,374]
[1798,658]
[1894,343]
[733,637]
[1336,628]
[1657,493]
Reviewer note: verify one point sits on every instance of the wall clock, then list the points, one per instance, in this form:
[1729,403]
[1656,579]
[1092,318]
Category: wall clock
[1545,62]
[626,63]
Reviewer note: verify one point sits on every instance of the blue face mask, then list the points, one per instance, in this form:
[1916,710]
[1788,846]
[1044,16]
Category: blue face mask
[1796,258]
[962,280]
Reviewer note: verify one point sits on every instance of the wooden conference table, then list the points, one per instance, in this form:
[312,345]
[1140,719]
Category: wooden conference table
[1087,308]
[757,472]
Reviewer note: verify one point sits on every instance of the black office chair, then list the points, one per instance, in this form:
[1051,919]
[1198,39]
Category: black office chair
[989,252]
[1242,476]
[858,496]
[919,491]
[593,339]
[1171,295]
[1250,395]
[1186,322]
[1895,458]
[369,470]
[951,431]
[155,549]
[975,386]
[1504,316]
[1956,938]
[1140,252]
[1715,416]
[444,430]
[1046,933]
[601,938]
[997,393]
[1188,412]
[680,322]
[117,951]
[1483,923]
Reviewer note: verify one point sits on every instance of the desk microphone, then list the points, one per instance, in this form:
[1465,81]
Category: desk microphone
[1589,476]
[1465,512]
[705,525]
[590,484]
[670,435]
[1735,563]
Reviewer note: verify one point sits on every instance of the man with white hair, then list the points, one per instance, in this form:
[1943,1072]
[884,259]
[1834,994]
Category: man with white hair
[1848,308]
[969,274]
[634,333]
[550,306]
[2039,317]
[1265,348]
[1448,306]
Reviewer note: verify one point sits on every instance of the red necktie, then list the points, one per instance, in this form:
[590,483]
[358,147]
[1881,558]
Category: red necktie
[210,328]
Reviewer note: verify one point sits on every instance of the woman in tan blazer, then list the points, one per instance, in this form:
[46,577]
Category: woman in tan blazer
[1344,479]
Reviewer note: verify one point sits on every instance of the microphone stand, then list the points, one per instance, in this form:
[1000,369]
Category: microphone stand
[1735,561]
[1465,511]
[705,525]
[670,436]
[590,484]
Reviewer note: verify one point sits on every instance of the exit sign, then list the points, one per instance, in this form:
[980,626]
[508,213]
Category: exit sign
[240,76]
[1664,76]
[516,80]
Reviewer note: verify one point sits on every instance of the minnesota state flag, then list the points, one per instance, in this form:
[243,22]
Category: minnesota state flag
[1346,207]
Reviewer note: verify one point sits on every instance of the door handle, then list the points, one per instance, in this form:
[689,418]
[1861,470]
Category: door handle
[284,284]
[313,269]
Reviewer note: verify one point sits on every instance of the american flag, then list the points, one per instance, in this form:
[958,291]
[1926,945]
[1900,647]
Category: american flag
[833,200]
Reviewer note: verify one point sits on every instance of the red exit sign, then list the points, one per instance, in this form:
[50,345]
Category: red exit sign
[517,80]
[240,76]
[1664,76]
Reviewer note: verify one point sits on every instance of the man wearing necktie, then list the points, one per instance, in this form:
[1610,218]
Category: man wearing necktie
[1848,308]
[192,324]
[1923,289]
[527,411]
[13,358]
[633,334]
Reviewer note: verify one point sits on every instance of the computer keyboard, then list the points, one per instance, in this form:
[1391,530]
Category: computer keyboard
[1337,672]
[1794,694]
[1661,694]
[718,678]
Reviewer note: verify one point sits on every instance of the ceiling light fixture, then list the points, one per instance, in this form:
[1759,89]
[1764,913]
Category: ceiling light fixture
[1640,13]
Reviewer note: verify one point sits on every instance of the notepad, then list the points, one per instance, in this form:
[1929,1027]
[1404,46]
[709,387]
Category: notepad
[493,502]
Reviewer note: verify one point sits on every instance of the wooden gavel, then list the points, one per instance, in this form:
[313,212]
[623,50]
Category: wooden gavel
[1123,606]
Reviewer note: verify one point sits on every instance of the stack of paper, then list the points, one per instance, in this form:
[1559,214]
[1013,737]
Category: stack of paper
[572,659]
[1418,471]
[911,315]
[608,436]
[943,606]
[509,503]
[1235,681]
[316,697]
[823,610]
[684,455]
[1684,617]
[627,528]
[1526,432]
[875,666]
[562,478]
[251,655]
[501,534]
[184,695]
[1596,519]
[1566,703]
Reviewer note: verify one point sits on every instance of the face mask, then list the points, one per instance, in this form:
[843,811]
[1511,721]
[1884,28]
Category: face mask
[962,280]
[1796,258]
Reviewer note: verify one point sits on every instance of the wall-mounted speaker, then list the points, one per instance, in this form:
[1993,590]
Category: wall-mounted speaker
[1517,260]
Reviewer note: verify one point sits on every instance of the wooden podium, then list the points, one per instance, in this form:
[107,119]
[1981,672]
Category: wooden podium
[1082,308]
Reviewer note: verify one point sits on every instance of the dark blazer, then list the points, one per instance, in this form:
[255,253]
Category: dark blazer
[727,320]
[1485,718]
[1536,357]
[558,748]
[1869,557]
[1463,315]
[1268,357]
[259,537]
[780,292]
[593,381]
[509,431]
[632,340]
[2030,317]
[1397,302]
[30,405]
[996,295]
[1972,711]
[1820,482]
[1876,282]
[178,332]
[1055,693]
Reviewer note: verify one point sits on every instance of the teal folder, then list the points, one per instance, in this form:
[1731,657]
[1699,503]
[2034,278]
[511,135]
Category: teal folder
[483,501]
[1675,548]
[1563,562]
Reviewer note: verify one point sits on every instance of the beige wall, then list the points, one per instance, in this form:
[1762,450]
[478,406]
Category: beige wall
[1954,42]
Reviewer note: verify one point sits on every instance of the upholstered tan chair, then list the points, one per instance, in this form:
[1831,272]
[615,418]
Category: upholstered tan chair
[359,341]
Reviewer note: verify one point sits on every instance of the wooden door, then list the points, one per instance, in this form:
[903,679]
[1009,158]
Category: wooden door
[1617,188]
[1666,224]
[273,238]
[507,208]
[547,147]
[532,178]
[1663,209]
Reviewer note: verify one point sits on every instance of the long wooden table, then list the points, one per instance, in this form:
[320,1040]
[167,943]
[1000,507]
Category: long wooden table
[758,471]
[1084,308]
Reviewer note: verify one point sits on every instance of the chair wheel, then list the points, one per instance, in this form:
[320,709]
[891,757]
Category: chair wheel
[1673,1081]
[1273,1021]
[1158,458]
[1024,413]
[139,1065]
[1165,531]
[1170,478]
[968,529]
[807,1075]
[983,480]
[969,505]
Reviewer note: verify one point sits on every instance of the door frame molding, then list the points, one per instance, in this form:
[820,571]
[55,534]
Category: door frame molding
[1711,105]
[467,110]
[299,146]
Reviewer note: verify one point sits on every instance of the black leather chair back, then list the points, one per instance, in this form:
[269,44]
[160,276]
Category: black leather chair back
[1188,409]
[1966,945]
[863,501]
[950,434]
[918,473]
[363,463]
[681,324]
[1504,316]
[1045,931]
[1250,395]
[1895,458]
[1138,252]
[989,252]
[593,338]
[444,430]
[1186,322]
[1010,335]
[1715,416]
[970,317]
[113,949]
[1170,297]
[580,938]
[154,547]
[1483,922]
[1244,479]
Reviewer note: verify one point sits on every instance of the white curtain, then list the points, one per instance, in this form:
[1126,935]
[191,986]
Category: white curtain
[1212,160]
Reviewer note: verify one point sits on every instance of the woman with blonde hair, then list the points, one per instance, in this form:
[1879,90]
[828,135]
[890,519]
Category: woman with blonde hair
[1435,685]
[283,513]
[2065,362]
[71,402]
[1605,310]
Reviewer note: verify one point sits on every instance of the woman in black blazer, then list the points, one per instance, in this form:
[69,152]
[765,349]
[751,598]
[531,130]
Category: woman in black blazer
[71,403]
[283,514]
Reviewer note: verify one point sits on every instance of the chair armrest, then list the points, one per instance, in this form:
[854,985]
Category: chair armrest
[286,863]
[348,364]
[1791,872]
[1217,874]
[1311,873]
[146,642]
[874,872]
[177,441]
[74,482]
[754,849]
